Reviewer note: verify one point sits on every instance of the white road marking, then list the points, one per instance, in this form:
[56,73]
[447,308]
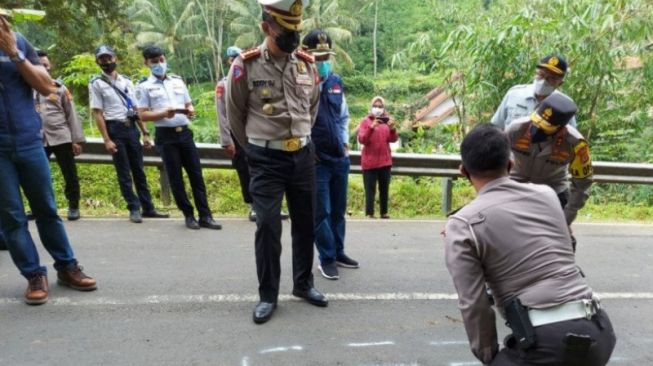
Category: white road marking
[281,349]
[90,300]
[464,363]
[245,361]
[372,344]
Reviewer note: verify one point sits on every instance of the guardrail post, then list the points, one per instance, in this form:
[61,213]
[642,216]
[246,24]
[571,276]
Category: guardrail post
[165,185]
[447,188]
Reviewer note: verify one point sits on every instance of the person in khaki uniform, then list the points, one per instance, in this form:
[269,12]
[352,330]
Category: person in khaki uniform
[272,96]
[513,239]
[546,150]
[62,135]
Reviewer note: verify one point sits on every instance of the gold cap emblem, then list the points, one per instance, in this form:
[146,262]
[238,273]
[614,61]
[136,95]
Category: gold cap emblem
[548,113]
[296,8]
[553,61]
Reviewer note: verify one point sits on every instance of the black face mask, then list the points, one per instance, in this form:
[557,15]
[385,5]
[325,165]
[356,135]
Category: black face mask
[108,68]
[538,135]
[287,42]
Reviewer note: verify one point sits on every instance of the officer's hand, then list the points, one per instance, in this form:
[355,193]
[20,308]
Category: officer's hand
[7,38]
[147,144]
[77,149]
[169,113]
[111,147]
[191,113]
[230,150]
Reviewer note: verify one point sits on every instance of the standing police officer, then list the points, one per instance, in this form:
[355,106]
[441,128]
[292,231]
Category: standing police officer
[546,149]
[114,110]
[272,100]
[521,100]
[330,134]
[513,239]
[62,135]
[164,99]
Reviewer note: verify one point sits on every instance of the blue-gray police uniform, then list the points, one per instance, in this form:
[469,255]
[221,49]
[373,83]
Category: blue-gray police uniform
[174,140]
[518,102]
[128,160]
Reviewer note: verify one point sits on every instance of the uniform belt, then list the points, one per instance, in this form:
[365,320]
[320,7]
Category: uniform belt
[290,144]
[175,129]
[572,310]
[123,121]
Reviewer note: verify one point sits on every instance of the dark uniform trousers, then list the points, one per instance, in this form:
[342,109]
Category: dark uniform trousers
[129,163]
[555,348]
[239,162]
[66,161]
[178,151]
[273,173]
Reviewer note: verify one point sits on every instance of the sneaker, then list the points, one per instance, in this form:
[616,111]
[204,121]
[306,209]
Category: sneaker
[344,261]
[135,216]
[37,289]
[76,279]
[73,214]
[329,271]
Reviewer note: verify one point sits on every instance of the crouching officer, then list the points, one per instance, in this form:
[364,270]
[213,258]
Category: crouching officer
[272,99]
[491,243]
[546,148]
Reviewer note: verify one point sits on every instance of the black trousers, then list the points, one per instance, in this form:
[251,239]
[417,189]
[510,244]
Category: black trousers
[128,162]
[239,162]
[178,151]
[274,173]
[66,161]
[370,179]
[554,347]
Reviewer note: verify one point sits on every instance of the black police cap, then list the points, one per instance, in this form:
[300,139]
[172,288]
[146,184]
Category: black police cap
[318,43]
[554,63]
[556,109]
[102,50]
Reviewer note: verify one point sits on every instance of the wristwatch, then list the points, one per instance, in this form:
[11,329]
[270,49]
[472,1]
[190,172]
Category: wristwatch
[18,57]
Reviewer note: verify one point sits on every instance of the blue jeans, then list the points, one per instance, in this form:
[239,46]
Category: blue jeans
[331,178]
[29,169]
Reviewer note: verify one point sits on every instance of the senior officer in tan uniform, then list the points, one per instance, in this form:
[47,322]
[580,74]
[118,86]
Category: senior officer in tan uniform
[546,149]
[272,99]
[62,135]
[513,239]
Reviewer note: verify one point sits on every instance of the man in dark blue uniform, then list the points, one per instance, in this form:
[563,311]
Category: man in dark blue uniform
[24,166]
[330,134]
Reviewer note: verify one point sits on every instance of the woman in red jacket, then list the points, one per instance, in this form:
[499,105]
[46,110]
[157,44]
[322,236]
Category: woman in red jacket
[376,132]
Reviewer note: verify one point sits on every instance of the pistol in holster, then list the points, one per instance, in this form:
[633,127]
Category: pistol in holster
[518,321]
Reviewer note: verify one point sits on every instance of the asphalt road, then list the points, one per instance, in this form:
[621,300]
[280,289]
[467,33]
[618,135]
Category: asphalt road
[170,296]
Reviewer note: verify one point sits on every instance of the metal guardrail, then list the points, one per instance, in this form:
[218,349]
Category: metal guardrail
[446,166]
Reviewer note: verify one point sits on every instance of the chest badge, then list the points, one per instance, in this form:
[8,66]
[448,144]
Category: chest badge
[268,109]
[301,67]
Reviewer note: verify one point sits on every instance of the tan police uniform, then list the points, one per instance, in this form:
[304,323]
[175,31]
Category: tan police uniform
[552,161]
[271,107]
[514,237]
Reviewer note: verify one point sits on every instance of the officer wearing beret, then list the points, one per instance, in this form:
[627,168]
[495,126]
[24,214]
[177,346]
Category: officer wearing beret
[114,108]
[546,149]
[521,100]
[330,134]
[513,239]
[272,97]
[164,99]
[62,135]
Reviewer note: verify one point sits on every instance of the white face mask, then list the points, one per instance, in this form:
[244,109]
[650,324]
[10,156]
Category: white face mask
[542,87]
[376,111]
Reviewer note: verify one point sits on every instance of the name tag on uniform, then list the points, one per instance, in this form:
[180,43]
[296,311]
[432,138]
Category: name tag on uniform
[262,83]
[304,79]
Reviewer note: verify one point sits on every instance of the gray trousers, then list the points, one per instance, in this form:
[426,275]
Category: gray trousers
[554,347]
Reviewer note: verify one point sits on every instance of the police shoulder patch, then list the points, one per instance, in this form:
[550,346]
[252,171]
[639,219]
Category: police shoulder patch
[305,56]
[250,54]
[581,165]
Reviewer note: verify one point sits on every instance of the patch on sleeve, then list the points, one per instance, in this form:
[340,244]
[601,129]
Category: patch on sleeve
[581,166]
[238,73]
[336,89]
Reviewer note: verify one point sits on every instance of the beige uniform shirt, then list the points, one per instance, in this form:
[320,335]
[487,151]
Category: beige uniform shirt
[552,161]
[269,98]
[60,122]
[514,238]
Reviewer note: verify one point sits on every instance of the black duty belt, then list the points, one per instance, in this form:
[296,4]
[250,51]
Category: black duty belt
[174,129]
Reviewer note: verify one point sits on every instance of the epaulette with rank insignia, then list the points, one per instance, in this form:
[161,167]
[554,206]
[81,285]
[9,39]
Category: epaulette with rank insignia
[250,53]
[305,56]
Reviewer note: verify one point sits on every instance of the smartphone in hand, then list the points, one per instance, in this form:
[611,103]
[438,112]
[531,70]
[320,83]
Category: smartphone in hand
[383,119]
[182,111]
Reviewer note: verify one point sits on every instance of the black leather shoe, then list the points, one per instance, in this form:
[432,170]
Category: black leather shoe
[263,312]
[312,295]
[154,214]
[73,214]
[191,223]
[209,223]
[135,216]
